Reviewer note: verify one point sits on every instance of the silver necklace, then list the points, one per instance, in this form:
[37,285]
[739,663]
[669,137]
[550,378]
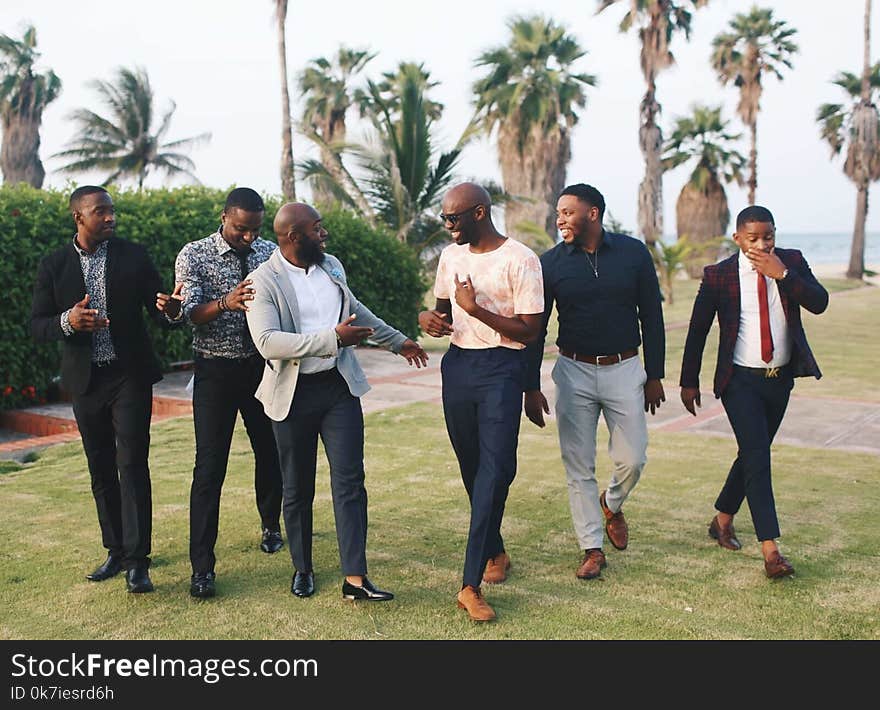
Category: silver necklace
[594,267]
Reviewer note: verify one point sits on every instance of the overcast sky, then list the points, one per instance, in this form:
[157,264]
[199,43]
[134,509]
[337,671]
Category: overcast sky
[218,62]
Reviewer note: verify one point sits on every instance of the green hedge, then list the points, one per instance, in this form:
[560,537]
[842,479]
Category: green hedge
[383,273]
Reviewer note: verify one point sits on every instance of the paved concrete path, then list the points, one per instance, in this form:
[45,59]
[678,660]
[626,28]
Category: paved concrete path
[846,424]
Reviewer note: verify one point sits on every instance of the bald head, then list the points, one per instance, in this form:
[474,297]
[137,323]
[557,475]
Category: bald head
[465,196]
[292,216]
[300,234]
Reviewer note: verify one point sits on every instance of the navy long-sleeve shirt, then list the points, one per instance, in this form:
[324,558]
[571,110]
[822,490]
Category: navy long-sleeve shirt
[601,315]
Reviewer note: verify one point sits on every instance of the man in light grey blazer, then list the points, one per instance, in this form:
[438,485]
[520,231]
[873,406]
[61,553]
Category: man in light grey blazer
[304,321]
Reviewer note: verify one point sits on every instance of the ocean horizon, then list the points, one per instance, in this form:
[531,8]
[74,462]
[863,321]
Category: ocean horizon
[823,247]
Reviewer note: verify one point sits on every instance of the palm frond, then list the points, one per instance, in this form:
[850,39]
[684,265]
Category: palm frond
[122,140]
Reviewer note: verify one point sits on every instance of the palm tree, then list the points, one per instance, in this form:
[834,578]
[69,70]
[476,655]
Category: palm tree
[657,20]
[702,214]
[23,97]
[859,129]
[402,180]
[531,95]
[391,85]
[325,86]
[668,260]
[127,143]
[756,44]
[288,184]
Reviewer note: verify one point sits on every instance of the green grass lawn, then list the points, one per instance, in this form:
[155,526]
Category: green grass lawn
[672,583]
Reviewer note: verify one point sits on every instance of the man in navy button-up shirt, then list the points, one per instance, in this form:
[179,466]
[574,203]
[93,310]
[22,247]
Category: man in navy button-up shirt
[608,299]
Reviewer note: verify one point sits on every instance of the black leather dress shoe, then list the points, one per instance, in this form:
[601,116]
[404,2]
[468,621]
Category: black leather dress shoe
[303,584]
[365,591]
[271,541]
[137,580]
[109,568]
[201,585]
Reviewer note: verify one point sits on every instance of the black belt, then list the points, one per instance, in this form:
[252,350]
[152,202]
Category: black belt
[223,358]
[766,372]
[599,359]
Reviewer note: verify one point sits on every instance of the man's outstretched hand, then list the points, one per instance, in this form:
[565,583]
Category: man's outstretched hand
[352,334]
[414,353]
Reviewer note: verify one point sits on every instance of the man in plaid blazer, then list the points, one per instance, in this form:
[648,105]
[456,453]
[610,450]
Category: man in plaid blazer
[757,294]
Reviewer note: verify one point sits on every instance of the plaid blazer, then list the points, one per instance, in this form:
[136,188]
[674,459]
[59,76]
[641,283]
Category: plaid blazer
[719,293]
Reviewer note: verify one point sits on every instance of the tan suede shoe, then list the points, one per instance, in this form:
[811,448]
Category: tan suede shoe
[471,600]
[496,569]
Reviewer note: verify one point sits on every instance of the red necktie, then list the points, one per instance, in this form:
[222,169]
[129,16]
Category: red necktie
[764,312]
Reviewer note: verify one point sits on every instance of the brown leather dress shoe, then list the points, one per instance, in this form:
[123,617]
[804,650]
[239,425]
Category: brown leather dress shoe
[496,569]
[777,566]
[591,567]
[615,525]
[471,600]
[725,535]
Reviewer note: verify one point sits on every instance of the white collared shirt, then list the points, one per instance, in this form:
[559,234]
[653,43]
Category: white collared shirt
[748,340]
[320,303]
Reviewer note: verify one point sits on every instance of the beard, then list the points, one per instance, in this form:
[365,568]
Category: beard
[311,253]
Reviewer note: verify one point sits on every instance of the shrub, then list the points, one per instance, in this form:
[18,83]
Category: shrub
[384,274]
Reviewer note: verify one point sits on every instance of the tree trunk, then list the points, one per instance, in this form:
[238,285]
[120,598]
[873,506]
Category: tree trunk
[288,183]
[329,131]
[333,162]
[753,161]
[20,150]
[321,195]
[866,71]
[537,175]
[857,251]
[650,214]
[702,217]
[861,157]
[667,277]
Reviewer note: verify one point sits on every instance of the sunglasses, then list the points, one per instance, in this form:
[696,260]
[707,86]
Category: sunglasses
[454,218]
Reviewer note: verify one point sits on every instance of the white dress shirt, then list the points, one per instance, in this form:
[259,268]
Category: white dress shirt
[748,341]
[320,303]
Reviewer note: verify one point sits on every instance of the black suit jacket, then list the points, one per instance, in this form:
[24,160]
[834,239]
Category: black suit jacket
[132,284]
[719,293]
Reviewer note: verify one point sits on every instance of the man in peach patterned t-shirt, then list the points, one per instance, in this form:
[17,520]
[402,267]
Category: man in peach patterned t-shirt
[490,297]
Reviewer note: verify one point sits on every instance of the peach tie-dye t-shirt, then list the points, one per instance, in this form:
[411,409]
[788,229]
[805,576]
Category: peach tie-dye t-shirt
[507,281]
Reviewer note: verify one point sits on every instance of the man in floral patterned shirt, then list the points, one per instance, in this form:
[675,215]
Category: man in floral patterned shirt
[212,275]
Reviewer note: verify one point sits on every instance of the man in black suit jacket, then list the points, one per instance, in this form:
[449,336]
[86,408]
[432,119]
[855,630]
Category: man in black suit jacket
[90,294]
[757,294]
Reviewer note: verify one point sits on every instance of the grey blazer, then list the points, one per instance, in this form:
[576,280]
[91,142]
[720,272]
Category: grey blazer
[273,318]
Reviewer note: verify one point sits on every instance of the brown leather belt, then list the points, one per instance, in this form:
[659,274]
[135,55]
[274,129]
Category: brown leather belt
[599,359]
